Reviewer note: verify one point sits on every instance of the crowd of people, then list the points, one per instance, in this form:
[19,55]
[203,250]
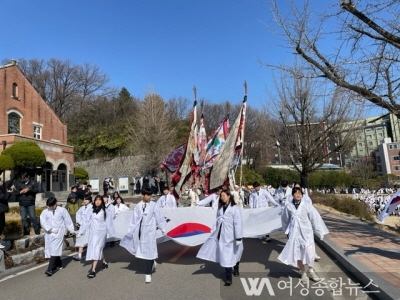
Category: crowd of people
[91,221]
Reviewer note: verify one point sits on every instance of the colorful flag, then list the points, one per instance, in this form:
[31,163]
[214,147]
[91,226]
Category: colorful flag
[215,143]
[173,160]
[201,144]
[185,169]
[390,207]
[221,166]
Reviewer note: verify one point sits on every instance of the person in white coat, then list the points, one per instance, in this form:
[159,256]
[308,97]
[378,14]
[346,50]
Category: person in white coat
[108,202]
[120,206]
[224,245]
[300,220]
[283,193]
[213,199]
[98,225]
[54,220]
[238,195]
[81,217]
[193,196]
[167,199]
[140,240]
[259,198]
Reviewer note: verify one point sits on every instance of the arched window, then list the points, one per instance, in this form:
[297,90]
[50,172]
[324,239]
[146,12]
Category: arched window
[14,123]
[14,91]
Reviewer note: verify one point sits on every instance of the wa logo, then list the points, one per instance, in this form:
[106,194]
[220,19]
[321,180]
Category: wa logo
[256,286]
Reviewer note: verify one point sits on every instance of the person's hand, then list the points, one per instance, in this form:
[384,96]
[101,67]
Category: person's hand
[163,232]
[54,230]
[238,242]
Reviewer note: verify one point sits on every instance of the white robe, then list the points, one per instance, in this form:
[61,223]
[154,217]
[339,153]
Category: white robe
[194,198]
[283,194]
[261,199]
[81,218]
[214,198]
[110,215]
[236,197]
[120,208]
[58,221]
[145,222]
[300,225]
[97,228]
[224,250]
[166,201]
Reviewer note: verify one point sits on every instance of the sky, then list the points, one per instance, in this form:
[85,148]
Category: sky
[162,46]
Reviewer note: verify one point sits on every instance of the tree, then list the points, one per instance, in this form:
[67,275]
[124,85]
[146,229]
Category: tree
[314,126]
[152,135]
[363,54]
[64,85]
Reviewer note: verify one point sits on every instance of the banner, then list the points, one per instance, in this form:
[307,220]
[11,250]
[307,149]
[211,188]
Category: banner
[191,226]
[173,160]
[215,143]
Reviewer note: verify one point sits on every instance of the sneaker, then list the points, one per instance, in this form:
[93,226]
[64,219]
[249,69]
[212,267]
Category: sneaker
[148,278]
[228,282]
[236,273]
[317,258]
[49,273]
[76,257]
[104,266]
[304,278]
[91,274]
[1,246]
[154,266]
[313,276]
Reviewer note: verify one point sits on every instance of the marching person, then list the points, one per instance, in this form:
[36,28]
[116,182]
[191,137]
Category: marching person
[300,220]
[224,245]
[54,220]
[140,239]
[167,199]
[213,198]
[283,193]
[119,205]
[238,195]
[193,196]
[259,198]
[98,224]
[81,218]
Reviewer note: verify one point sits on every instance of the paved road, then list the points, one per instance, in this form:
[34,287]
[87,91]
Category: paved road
[179,275]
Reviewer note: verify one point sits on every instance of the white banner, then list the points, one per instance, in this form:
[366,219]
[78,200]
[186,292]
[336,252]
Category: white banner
[123,183]
[191,226]
[94,182]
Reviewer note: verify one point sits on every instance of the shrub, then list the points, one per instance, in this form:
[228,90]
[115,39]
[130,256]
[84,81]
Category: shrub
[81,174]
[6,162]
[13,227]
[26,154]
[346,205]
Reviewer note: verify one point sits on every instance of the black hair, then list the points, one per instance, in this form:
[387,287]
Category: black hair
[115,201]
[231,199]
[146,191]
[51,201]
[256,184]
[284,183]
[96,209]
[297,188]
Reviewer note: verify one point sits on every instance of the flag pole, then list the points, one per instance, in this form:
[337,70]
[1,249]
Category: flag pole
[244,124]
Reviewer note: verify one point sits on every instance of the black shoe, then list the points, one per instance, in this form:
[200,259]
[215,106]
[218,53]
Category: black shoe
[228,283]
[27,233]
[49,273]
[112,244]
[37,232]
[104,266]
[91,274]
[236,273]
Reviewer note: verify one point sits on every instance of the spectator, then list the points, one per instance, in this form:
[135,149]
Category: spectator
[4,196]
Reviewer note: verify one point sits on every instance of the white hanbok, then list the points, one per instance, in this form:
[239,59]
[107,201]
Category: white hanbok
[261,199]
[81,218]
[301,224]
[120,208]
[283,194]
[223,250]
[97,226]
[213,198]
[54,224]
[166,201]
[237,198]
[140,239]
[194,198]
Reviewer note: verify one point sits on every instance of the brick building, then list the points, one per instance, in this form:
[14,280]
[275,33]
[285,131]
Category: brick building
[25,116]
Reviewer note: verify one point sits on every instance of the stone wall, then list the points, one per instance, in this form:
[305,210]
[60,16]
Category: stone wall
[115,167]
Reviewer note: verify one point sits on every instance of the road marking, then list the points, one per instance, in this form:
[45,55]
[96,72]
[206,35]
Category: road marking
[29,270]
[176,257]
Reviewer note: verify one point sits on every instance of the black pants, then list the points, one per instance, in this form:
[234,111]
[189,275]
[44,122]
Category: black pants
[228,271]
[149,266]
[54,263]
[2,222]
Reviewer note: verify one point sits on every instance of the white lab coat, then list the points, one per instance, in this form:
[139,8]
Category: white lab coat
[262,199]
[97,227]
[120,208]
[214,198]
[282,195]
[146,223]
[194,198]
[224,250]
[300,225]
[81,217]
[166,201]
[57,222]
[236,197]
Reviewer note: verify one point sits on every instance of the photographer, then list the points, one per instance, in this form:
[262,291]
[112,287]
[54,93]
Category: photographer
[25,193]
